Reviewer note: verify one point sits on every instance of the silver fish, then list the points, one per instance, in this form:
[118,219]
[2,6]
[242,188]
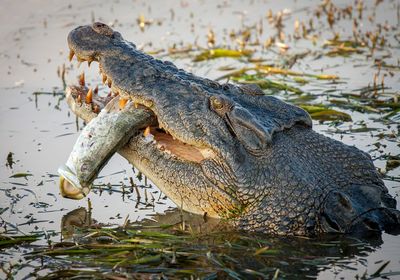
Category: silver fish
[98,141]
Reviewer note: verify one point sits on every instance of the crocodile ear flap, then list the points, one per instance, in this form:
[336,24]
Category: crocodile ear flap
[248,130]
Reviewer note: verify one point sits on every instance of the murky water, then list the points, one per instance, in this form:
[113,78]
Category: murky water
[39,131]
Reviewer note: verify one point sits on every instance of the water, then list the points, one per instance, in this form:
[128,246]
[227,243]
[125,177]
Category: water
[39,131]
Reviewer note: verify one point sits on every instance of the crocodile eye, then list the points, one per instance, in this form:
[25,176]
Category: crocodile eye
[216,103]
[102,28]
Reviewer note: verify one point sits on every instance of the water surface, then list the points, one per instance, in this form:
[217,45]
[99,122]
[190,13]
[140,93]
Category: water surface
[38,131]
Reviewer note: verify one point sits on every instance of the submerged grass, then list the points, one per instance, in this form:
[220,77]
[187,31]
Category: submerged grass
[187,249]
[6,241]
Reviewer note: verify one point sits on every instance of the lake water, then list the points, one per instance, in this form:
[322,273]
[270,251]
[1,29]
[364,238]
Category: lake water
[37,127]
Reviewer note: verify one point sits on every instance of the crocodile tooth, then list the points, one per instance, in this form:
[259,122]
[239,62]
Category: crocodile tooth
[80,60]
[71,55]
[109,83]
[79,99]
[82,79]
[136,105]
[146,131]
[122,103]
[104,78]
[88,98]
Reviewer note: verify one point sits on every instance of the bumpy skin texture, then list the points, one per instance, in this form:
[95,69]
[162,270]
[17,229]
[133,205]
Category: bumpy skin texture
[268,171]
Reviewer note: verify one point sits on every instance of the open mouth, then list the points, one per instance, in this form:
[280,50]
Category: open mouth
[162,139]
[70,186]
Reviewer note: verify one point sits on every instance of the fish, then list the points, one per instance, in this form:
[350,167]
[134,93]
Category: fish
[98,141]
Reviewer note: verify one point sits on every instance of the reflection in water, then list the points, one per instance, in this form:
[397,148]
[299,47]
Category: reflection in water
[78,218]
[206,247]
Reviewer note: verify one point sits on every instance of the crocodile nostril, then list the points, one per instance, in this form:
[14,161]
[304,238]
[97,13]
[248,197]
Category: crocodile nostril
[371,224]
[102,28]
[332,223]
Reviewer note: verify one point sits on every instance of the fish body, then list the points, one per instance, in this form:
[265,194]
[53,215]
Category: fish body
[99,140]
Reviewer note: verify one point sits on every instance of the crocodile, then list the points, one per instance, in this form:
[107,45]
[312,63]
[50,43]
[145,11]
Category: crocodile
[229,151]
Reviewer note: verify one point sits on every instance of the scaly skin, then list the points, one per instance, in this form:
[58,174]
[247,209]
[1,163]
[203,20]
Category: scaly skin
[261,166]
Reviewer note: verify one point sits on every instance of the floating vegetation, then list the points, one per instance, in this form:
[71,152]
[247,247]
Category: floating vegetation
[322,113]
[392,162]
[21,175]
[268,84]
[343,48]
[10,160]
[267,70]
[188,247]
[6,241]
[217,53]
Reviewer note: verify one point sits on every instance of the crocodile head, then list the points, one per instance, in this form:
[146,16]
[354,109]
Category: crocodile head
[228,150]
